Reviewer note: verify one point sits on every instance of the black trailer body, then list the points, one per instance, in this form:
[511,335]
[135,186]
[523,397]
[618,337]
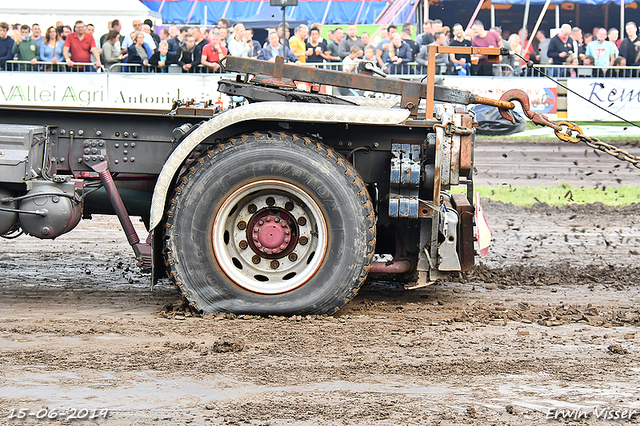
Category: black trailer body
[282,204]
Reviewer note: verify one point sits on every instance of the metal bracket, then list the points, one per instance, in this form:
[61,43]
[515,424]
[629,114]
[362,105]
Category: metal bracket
[404,180]
[448,257]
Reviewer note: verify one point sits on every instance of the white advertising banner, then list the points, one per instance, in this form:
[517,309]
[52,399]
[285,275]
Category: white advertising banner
[542,92]
[105,90]
[617,95]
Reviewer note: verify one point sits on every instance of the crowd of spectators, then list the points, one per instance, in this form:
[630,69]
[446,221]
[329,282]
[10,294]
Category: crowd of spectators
[393,48]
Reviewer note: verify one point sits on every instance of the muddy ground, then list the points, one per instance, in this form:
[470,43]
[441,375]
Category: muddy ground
[549,320]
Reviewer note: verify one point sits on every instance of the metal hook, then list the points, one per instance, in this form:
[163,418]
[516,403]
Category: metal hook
[522,97]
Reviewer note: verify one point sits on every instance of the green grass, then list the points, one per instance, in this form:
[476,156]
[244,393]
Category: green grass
[559,195]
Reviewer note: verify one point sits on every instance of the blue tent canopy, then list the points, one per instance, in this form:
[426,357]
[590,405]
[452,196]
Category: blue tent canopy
[537,2]
[336,11]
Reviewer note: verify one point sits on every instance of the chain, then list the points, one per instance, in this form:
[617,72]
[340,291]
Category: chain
[592,142]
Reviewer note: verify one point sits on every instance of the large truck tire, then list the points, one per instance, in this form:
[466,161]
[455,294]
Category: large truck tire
[269,224]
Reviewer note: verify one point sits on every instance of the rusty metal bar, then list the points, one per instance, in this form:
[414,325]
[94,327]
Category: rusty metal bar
[406,89]
[431,79]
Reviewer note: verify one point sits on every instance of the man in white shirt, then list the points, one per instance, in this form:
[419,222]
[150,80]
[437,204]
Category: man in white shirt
[137,26]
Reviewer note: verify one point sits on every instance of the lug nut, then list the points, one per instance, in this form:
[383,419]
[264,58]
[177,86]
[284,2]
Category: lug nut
[261,222]
[243,244]
[274,264]
[242,225]
[276,219]
[303,240]
[252,208]
[293,257]
[255,259]
[302,221]
[288,205]
[270,201]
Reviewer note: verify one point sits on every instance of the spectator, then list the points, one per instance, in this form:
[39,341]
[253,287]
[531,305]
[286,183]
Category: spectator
[164,35]
[602,50]
[619,61]
[589,60]
[26,49]
[274,49]
[506,59]
[186,55]
[370,54]
[79,46]
[52,48]
[239,45]
[173,30]
[441,58]
[91,29]
[572,60]
[137,26]
[283,34]
[461,62]
[398,52]
[139,53]
[334,44]
[103,37]
[437,27]
[117,25]
[111,49]
[542,48]
[214,52]
[317,50]
[516,47]
[223,27]
[366,38]
[297,43]
[427,31]
[630,46]
[576,42]
[383,45]
[200,41]
[407,31]
[349,41]
[349,63]
[483,38]
[614,37]
[255,45]
[560,47]
[147,27]
[176,41]
[6,45]
[36,35]
[587,38]
[162,59]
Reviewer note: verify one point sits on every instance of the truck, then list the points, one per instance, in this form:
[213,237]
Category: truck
[280,204]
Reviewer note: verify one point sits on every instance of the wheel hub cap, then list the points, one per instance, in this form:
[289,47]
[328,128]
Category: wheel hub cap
[272,233]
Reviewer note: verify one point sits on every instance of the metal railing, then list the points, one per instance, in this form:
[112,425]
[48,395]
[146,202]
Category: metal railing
[408,70]
[569,71]
[170,69]
[51,67]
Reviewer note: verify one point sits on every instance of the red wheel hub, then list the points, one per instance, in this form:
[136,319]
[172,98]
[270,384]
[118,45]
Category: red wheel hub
[272,233]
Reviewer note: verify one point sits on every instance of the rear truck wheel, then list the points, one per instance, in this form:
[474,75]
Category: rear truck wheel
[269,224]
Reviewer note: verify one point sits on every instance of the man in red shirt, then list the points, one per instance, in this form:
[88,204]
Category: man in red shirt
[78,47]
[483,38]
[213,52]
